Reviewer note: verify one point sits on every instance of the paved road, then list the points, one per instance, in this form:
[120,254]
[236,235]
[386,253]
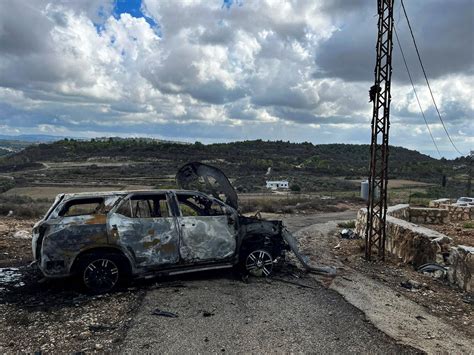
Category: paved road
[296,222]
[223,314]
[217,313]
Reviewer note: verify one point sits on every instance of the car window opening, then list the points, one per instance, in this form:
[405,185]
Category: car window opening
[83,207]
[197,205]
[155,206]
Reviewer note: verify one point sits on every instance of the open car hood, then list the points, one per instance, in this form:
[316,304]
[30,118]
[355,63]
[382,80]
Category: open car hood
[208,179]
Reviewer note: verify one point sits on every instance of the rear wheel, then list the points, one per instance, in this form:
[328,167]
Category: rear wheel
[101,273]
[259,263]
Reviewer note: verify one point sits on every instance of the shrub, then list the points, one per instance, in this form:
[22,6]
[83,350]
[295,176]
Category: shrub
[295,188]
[347,224]
[468,225]
[23,206]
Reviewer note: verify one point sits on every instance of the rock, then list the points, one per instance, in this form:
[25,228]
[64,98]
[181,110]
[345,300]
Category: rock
[98,346]
[460,272]
[84,335]
[22,234]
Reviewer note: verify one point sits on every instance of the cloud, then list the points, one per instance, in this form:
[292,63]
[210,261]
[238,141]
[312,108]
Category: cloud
[214,71]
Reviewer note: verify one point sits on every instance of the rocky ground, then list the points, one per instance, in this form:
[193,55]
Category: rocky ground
[457,230]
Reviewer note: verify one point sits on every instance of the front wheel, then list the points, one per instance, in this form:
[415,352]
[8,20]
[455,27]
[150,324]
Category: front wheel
[259,263]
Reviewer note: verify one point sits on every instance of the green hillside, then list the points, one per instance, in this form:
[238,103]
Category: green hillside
[245,162]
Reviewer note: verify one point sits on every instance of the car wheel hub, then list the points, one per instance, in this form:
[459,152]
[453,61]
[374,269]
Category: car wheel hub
[101,275]
[259,263]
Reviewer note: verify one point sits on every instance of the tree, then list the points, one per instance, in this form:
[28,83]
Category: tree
[295,188]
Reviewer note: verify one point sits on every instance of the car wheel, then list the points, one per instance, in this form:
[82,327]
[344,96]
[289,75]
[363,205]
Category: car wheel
[101,273]
[259,263]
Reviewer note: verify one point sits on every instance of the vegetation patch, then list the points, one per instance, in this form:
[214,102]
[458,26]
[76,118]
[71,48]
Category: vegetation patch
[348,224]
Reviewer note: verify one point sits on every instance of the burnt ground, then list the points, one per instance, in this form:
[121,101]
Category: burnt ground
[53,316]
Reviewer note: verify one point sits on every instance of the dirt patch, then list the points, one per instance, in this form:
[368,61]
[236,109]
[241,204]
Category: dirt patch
[15,241]
[457,231]
[432,317]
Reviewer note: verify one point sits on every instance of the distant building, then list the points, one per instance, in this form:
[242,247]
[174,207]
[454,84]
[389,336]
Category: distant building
[280,184]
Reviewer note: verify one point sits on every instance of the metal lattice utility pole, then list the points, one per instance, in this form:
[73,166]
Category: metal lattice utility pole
[380,95]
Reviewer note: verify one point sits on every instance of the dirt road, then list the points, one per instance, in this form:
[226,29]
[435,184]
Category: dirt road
[222,313]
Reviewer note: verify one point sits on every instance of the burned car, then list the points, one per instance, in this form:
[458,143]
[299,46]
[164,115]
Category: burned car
[104,238]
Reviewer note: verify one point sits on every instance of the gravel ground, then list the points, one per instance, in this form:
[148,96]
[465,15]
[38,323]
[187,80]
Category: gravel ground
[52,316]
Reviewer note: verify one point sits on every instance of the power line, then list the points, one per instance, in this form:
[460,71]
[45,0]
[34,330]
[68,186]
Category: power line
[414,90]
[426,78]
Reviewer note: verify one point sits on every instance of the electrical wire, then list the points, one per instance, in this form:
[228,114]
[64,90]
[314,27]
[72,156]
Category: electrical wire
[414,90]
[426,79]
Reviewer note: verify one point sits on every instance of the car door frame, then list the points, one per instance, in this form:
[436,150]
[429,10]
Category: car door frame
[206,252]
[161,254]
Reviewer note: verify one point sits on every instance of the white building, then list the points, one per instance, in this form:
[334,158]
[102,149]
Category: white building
[280,184]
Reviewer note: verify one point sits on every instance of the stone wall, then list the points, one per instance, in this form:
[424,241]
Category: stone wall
[412,243]
[441,203]
[418,245]
[423,215]
[460,213]
[461,269]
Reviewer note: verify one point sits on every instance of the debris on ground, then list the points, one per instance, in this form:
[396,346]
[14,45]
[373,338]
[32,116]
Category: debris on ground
[349,234]
[433,270]
[159,312]
[411,285]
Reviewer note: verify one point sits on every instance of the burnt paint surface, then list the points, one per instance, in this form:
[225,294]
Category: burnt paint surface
[152,241]
[63,238]
[148,241]
[66,237]
[206,238]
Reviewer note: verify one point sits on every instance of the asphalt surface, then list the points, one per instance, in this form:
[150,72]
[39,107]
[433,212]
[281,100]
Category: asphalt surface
[216,312]
[226,315]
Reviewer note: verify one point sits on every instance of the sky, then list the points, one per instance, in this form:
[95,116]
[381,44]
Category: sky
[220,71]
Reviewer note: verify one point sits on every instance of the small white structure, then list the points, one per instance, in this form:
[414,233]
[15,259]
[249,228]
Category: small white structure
[280,184]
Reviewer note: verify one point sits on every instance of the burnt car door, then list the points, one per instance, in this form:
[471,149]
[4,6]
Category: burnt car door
[144,225]
[207,226]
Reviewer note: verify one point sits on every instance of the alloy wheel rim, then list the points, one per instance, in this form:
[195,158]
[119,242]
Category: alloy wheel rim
[101,275]
[259,263]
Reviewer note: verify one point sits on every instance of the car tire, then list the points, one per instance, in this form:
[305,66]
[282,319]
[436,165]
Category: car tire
[102,272]
[257,262]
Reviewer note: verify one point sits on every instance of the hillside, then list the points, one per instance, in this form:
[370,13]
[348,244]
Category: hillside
[240,160]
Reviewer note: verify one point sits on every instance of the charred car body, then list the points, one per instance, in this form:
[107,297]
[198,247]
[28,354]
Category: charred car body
[106,237]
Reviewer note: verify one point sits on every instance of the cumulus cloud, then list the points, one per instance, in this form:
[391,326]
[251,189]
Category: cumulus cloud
[214,71]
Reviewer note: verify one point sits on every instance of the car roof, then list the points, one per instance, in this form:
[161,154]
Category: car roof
[122,193]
